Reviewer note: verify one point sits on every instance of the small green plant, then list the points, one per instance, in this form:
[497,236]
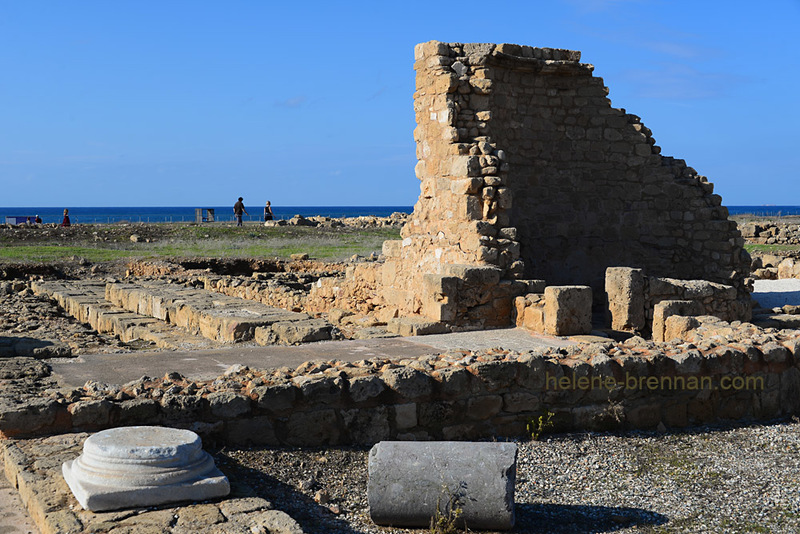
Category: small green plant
[447,521]
[540,425]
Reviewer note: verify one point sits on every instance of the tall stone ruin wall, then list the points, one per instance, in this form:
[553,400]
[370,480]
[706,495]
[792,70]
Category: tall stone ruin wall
[527,172]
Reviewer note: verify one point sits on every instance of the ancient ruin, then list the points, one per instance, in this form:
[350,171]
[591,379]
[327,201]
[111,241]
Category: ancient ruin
[528,173]
[541,206]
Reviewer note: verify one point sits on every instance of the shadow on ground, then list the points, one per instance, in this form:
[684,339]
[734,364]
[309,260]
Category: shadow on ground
[31,346]
[312,517]
[578,519]
[775,299]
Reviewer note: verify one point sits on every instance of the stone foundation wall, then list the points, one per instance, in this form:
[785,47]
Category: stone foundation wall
[526,169]
[729,372]
[634,300]
[771,233]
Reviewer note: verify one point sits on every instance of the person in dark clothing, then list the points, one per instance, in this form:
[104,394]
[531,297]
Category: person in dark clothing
[268,216]
[65,222]
[238,209]
[38,220]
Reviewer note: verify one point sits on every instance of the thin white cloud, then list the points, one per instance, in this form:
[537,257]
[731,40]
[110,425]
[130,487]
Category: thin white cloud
[676,49]
[680,82]
[293,102]
[595,6]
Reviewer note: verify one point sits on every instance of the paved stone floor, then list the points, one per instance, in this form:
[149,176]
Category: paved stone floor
[13,516]
[777,293]
[209,364]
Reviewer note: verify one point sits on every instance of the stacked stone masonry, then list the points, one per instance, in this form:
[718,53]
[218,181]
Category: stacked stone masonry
[151,310]
[720,371]
[527,172]
[640,303]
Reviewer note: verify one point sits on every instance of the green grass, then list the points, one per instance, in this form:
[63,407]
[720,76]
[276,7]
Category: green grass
[56,253]
[755,247]
[224,242]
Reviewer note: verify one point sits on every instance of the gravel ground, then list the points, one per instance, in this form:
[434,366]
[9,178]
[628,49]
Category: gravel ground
[743,479]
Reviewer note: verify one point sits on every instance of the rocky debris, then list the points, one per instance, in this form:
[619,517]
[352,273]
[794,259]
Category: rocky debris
[216,316]
[85,300]
[771,232]
[774,267]
[32,325]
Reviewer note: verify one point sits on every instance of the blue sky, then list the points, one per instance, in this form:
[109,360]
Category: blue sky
[183,103]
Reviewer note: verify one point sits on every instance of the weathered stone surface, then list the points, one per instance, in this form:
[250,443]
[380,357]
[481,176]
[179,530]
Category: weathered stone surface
[20,417]
[367,426]
[409,326]
[276,398]
[626,299]
[409,383]
[306,331]
[409,481]
[365,387]
[568,310]
[313,428]
[228,405]
[668,308]
[142,466]
[95,413]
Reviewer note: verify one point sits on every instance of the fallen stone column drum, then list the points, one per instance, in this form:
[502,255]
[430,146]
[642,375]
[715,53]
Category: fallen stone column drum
[138,466]
[409,481]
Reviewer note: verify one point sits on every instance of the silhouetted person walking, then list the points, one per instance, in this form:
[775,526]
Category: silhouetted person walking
[238,209]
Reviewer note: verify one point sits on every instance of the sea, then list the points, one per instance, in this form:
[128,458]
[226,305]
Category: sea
[162,214]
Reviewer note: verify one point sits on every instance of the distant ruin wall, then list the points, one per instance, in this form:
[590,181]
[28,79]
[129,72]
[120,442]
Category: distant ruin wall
[528,171]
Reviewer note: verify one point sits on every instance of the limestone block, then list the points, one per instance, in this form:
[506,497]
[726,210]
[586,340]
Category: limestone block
[407,382]
[678,327]
[439,297]
[408,481]
[405,415]
[132,467]
[530,312]
[788,268]
[625,293]
[363,388]
[276,398]
[293,332]
[414,326]
[568,310]
[228,405]
[668,308]
[367,426]
[313,428]
[392,247]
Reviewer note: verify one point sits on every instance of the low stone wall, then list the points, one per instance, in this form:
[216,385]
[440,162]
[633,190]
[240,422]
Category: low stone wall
[771,233]
[555,310]
[723,372]
[269,292]
[356,291]
[633,300]
[217,317]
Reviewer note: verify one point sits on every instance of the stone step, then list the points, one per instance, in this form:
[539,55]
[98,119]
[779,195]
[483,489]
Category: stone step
[85,300]
[216,316]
